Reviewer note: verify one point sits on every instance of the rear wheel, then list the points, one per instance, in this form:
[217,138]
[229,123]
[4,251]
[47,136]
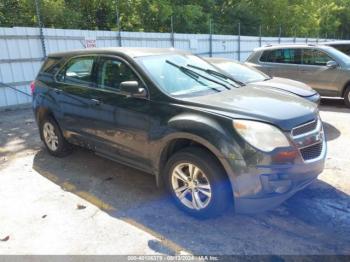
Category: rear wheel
[347,97]
[53,138]
[197,183]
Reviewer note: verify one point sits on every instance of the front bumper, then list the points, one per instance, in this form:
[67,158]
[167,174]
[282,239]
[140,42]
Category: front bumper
[276,185]
[266,184]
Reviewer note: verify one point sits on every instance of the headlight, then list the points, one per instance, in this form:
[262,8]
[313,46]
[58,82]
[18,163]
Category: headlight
[263,136]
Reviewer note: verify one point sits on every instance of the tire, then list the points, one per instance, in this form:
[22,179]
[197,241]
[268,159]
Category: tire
[347,97]
[53,139]
[210,183]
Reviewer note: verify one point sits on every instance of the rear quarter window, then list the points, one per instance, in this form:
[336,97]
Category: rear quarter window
[51,65]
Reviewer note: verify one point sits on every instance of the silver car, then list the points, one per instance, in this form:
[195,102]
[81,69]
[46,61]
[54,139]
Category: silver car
[324,68]
[246,74]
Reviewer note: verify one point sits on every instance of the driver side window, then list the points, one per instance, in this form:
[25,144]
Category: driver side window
[112,72]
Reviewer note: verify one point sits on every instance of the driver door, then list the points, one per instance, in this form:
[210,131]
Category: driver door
[315,73]
[123,121]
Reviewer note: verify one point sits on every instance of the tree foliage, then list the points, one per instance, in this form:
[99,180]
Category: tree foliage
[293,17]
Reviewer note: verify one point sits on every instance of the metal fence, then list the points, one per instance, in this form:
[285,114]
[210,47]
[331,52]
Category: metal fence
[22,50]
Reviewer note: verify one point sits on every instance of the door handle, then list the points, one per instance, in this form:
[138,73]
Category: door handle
[96,101]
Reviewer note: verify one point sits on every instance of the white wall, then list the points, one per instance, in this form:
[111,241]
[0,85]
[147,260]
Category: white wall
[21,51]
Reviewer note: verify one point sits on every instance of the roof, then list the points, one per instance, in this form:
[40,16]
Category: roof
[339,42]
[129,51]
[277,46]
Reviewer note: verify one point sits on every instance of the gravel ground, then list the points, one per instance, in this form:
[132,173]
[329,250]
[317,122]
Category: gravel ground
[84,204]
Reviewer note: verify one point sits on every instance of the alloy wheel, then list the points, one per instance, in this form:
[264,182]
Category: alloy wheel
[191,186]
[50,137]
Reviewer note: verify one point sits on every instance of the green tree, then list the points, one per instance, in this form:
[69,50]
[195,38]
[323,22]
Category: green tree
[295,17]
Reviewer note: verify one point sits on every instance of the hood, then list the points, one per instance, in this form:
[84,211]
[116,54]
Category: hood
[279,108]
[295,87]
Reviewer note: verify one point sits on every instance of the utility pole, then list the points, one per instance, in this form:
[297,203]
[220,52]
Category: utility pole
[260,36]
[210,38]
[40,24]
[239,42]
[172,32]
[119,37]
[279,34]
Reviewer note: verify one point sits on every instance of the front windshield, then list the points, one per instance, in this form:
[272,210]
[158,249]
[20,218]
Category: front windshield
[174,75]
[241,72]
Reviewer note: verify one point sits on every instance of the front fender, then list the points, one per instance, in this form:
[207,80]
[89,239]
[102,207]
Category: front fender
[216,136]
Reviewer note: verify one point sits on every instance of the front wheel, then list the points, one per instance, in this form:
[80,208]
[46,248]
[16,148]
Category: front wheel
[347,97]
[197,183]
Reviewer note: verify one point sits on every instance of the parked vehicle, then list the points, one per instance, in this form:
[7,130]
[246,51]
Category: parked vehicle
[325,69]
[208,141]
[343,46]
[247,74]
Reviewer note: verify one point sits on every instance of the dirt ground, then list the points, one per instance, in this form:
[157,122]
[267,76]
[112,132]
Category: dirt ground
[84,204]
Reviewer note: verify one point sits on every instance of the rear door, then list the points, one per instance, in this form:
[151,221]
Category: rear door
[315,73]
[281,62]
[76,88]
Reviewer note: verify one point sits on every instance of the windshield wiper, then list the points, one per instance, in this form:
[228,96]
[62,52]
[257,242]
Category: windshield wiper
[192,74]
[217,74]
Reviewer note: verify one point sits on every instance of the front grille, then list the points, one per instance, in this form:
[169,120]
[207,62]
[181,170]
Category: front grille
[303,129]
[311,152]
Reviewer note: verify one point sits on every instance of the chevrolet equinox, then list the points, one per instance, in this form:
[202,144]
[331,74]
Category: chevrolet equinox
[172,114]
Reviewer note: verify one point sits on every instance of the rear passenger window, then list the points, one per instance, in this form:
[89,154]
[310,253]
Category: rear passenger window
[78,71]
[282,56]
[315,57]
[112,72]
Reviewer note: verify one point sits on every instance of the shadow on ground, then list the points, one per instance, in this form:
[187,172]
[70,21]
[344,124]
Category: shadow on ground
[18,135]
[315,221]
[331,131]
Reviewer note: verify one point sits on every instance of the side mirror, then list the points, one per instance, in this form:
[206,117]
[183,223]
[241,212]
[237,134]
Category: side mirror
[132,88]
[332,64]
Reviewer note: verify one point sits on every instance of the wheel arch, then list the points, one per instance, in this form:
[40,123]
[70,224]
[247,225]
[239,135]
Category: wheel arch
[345,87]
[42,113]
[180,141]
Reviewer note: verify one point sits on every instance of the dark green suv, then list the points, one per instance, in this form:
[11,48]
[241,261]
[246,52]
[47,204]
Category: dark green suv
[173,115]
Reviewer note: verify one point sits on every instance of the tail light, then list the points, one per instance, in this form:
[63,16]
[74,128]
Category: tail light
[32,87]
